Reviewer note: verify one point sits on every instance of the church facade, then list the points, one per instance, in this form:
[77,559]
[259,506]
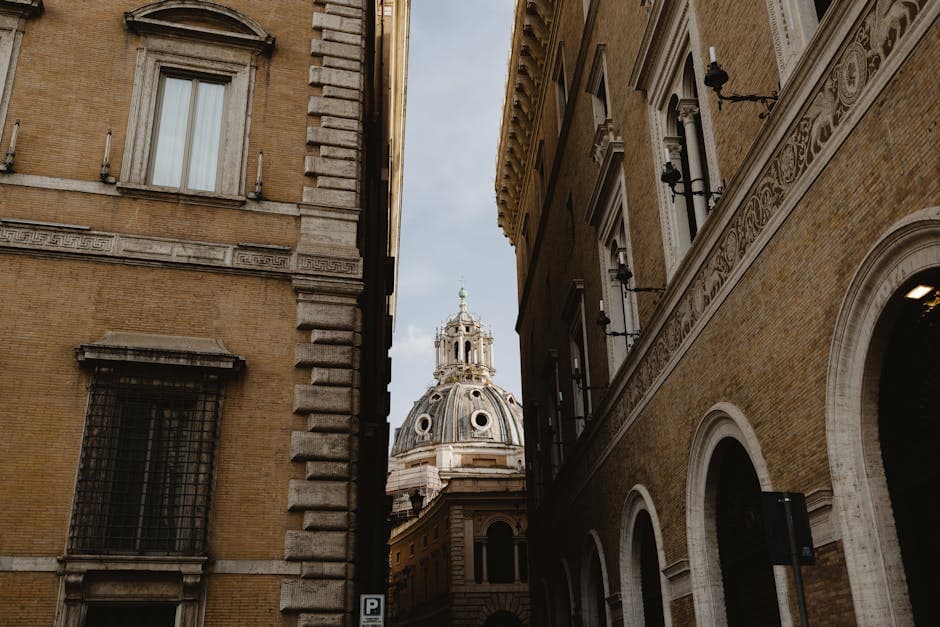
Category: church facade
[726,226]
[199,208]
[458,548]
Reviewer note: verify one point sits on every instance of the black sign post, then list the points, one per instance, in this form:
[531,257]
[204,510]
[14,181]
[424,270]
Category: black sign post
[789,538]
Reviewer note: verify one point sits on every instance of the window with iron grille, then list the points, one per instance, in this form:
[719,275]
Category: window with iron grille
[147,461]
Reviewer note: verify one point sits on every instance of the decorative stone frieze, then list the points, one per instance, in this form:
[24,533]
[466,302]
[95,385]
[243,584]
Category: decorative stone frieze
[865,57]
[72,239]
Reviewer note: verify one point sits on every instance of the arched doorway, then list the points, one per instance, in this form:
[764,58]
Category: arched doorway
[868,424]
[594,586]
[651,591]
[908,393]
[641,560]
[502,619]
[750,595]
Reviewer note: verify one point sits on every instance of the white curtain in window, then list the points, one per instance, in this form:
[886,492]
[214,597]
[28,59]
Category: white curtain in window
[207,132]
[171,129]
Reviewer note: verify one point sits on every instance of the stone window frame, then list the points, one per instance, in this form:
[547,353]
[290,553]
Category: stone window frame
[721,421]
[485,428]
[596,77]
[670,38]
[863,508]
[576,319]
[613,222]
[13,17]
[639,500]
[142,579]
[182,49]
[593,544]
[792,26]
[561,85]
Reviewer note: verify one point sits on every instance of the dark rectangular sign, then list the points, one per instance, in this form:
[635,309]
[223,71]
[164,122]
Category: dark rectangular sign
[775,528]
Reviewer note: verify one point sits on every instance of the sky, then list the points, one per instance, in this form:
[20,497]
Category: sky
[457,68]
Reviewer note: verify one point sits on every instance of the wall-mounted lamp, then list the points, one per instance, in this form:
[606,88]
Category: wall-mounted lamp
[105,173]
[578,377]
[624,274]
[716,77]
[603,322]
[671,176]
[7,165]
[256,195]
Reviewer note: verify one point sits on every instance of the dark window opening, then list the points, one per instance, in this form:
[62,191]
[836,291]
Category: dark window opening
[909,433]
[597,590]
[746,572]
[499,553]
[650,584]
[478,562]
[467,348]
[821,7]
[147,461]
[125,615]
[602,98]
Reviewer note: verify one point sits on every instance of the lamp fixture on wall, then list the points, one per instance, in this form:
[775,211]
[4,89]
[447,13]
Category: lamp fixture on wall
[7,165]
[671,176]
[256,195]
[716,77]
[105,173]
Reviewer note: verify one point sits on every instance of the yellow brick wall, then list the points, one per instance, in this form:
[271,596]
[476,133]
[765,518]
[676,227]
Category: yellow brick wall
[75,75]
[242,600]
[28,599]
[50,306]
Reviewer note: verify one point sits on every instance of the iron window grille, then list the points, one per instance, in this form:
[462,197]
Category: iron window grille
[145,476]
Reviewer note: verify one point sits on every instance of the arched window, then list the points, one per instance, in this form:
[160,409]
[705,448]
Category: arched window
[467,352]
[457,351]
[640,562]
[500,553]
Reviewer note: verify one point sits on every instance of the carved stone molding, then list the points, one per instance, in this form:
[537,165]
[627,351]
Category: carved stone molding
[71,239]
[883,26]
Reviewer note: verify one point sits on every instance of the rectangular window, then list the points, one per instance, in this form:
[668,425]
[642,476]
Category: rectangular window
[188,134]
[147,462]
[137,615]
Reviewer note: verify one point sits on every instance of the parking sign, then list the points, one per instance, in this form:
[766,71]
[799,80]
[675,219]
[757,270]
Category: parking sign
[372,610]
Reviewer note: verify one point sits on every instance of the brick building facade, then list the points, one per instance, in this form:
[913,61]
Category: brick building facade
[198,224]
[721,298]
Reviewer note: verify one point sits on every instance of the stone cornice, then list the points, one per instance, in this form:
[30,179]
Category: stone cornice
[525,87]
[835,83]
[62,239]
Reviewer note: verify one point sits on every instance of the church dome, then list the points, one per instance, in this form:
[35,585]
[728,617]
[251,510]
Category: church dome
[476,412]
[465,406]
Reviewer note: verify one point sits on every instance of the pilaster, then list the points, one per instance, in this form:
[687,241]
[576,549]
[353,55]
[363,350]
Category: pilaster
[329,322]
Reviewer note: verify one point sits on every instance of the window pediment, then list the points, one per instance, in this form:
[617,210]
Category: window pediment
[195,19]
[166,350]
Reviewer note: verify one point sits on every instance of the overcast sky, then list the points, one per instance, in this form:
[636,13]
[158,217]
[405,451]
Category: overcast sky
[456,81]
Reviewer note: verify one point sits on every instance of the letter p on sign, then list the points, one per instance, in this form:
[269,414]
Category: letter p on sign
[372,610]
